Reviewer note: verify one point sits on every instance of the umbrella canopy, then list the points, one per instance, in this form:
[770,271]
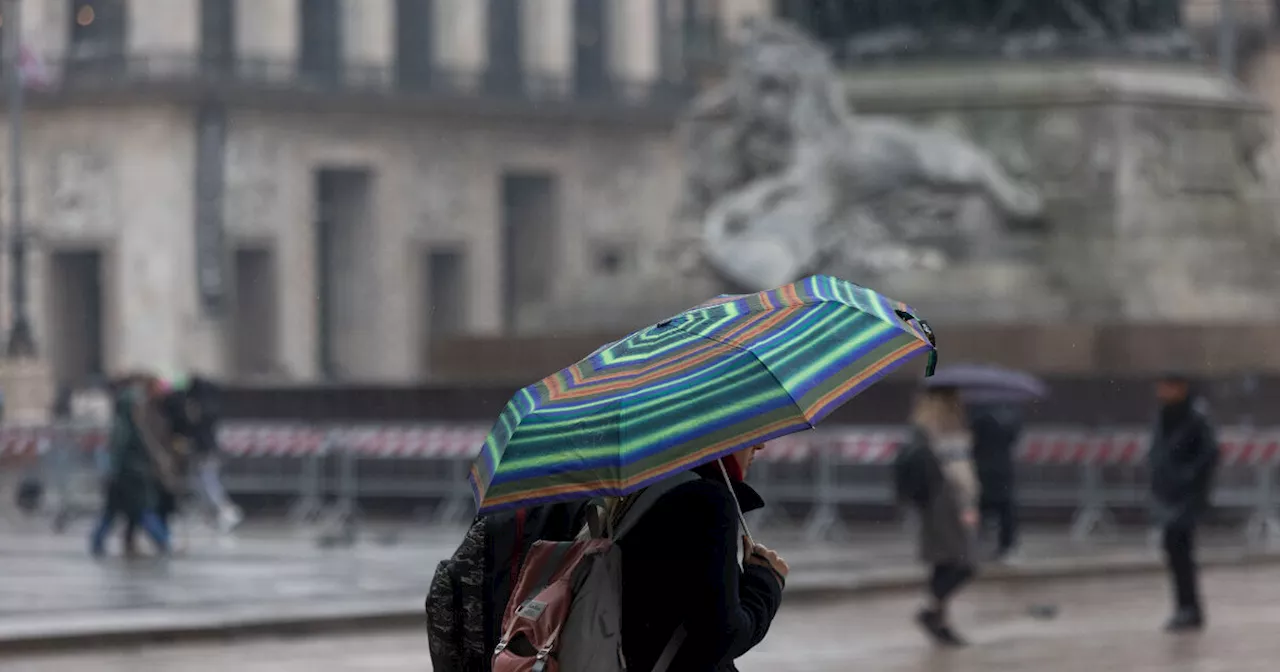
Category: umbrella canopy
[729,374]
[985,383]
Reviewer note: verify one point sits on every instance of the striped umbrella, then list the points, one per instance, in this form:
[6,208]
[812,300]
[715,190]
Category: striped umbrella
[726,375]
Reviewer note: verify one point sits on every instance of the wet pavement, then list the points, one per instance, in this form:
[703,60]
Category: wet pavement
[274,574]
[1104,624]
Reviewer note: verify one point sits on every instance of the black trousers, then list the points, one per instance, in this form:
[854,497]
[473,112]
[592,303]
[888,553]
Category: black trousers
[1179,551]
[947,579]
[1003,512]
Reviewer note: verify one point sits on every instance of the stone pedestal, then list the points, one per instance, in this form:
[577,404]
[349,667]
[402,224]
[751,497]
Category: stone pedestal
[28,390]
[1156,208]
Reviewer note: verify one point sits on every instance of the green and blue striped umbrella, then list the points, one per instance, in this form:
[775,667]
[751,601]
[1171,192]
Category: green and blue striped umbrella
[732,373]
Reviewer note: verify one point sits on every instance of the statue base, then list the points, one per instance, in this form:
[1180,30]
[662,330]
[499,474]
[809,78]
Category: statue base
[1156,206]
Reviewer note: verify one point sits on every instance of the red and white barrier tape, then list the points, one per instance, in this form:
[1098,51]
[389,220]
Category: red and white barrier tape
[844,445]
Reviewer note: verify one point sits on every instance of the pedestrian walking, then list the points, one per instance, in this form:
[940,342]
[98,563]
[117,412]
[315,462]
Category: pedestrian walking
[682,574]
[934,477]
[165,426]
[994,398]
[136,463]
[203,413]
[693,398]
[1182,459]
[996,430]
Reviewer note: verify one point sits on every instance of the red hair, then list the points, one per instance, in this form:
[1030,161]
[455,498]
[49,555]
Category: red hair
[733,468]
[711,470]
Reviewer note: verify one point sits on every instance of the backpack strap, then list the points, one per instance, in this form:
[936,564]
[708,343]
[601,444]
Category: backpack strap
[632,512]
[636,506]
[672,648]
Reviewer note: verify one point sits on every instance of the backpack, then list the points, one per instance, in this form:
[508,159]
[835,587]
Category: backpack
[914,477]
[470,590]
[565,612]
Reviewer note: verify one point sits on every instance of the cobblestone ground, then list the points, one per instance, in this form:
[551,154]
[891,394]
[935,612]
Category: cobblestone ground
[1101,625]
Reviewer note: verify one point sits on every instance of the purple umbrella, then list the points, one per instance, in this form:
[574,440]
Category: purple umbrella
[985,383]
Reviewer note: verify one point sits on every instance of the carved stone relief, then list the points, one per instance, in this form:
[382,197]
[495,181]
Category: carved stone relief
[442,170]
[1185,151]
[83,193]
[253,163]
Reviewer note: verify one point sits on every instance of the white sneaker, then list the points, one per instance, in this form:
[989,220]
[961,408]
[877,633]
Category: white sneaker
[229,518]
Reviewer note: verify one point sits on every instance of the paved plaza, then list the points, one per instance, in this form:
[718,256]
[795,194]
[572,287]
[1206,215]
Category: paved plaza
[267,577]
[1102,625]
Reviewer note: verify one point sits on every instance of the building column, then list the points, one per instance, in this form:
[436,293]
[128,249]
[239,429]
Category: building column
[634,40]
[163,27]
[461,26]
[267,29]
[370,32]
[548,38]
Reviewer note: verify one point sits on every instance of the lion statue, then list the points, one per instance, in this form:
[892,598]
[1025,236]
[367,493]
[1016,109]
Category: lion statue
[784,180]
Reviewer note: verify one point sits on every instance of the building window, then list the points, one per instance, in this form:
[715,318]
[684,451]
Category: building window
[321,41]
[415,43]
[690,36]
[590,47]
[98,30]
[217,34]
[506,69]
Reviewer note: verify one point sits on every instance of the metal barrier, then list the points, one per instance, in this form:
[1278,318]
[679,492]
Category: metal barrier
[274,459]
[810,480]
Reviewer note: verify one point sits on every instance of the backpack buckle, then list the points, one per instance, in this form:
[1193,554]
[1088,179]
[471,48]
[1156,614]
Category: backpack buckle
[540,660]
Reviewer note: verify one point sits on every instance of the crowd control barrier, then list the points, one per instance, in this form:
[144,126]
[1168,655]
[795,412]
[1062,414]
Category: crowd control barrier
[815,480]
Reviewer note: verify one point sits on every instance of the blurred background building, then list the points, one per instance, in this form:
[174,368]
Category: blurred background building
[310,189]
[315,190]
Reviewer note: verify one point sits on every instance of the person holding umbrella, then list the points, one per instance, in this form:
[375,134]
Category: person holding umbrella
[137,464]
[995,400]
[692,399]
[996,429]
[935,478]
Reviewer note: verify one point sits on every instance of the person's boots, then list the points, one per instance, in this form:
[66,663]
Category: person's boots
[934,623]
[1186,619]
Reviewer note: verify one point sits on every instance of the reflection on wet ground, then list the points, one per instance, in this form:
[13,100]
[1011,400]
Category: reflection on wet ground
[1101,625]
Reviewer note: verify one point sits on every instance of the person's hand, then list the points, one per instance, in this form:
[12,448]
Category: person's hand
[762,556]
[970,518]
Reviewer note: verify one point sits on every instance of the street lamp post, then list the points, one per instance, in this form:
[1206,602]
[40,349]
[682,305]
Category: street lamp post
[21,341]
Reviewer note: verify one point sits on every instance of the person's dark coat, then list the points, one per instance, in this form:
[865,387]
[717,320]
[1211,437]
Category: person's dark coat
[680,566]
[132,485]
[1183,459]
[203,410]
[996,430]
[944,538]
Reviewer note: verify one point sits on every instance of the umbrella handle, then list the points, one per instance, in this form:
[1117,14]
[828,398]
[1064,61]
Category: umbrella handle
[742,520]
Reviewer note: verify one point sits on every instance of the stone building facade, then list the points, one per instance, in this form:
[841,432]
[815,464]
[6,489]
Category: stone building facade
[310,189]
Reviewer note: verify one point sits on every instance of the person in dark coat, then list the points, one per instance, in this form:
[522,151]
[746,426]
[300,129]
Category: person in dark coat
[165,423]
[204,413]
[935,478]
[682,569]
[1182,460]
[131,486]
[996,430]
